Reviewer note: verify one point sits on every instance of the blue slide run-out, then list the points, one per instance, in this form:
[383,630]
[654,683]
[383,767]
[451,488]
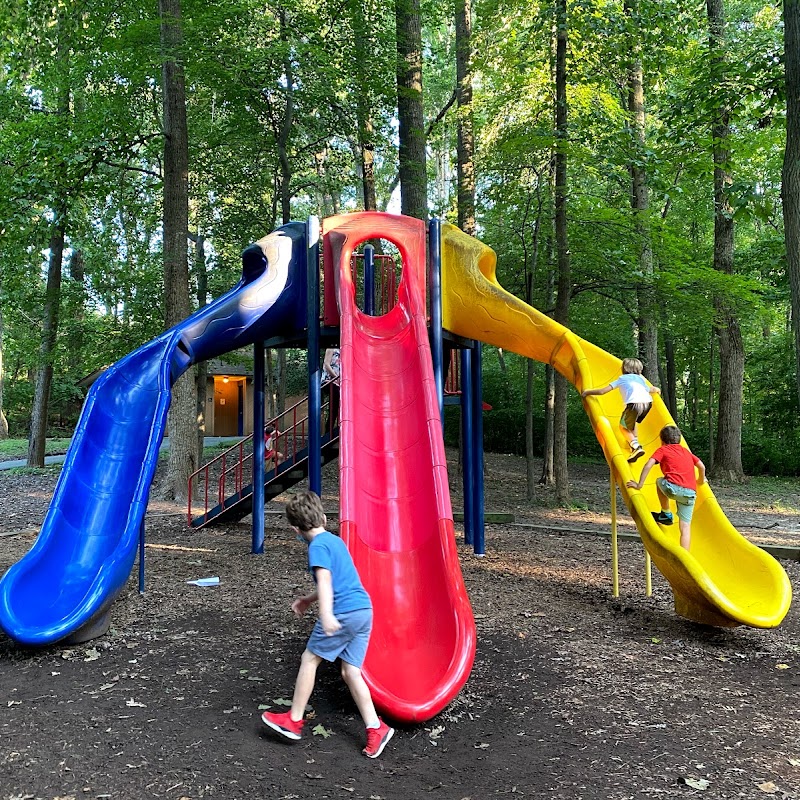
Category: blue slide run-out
[86,549]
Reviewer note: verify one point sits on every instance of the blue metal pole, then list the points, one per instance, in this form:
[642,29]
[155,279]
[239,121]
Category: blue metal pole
[314,372]
[435,278]
[477,450]
[369,280]
[258,447]
[141,557]
[467,444]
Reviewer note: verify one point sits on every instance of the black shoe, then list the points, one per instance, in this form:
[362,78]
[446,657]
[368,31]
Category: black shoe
[661,518]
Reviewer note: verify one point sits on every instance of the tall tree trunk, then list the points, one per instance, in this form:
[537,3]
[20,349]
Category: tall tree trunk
[564,286]
[410,112]
[647,320]
[465,148]
[182,420]
[52,301]
[728,451]
[3,420]
[547,477]
[44,373]
[790,189]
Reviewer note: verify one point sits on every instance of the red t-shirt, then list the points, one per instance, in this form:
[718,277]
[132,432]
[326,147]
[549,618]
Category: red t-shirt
[677,464]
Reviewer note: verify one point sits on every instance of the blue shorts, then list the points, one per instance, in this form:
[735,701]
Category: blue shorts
[348,643]
[683,497]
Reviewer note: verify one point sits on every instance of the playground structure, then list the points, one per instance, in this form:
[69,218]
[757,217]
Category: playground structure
[399,524]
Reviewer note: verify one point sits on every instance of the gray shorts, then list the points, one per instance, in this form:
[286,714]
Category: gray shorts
[348,643]
[683,497]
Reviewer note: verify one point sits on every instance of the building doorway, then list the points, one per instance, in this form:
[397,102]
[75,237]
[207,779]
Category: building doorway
[229,395]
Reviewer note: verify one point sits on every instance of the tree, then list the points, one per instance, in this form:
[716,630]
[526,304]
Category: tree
[182,419]
[564,281]
[728,449]
[790,189]
[646,319]
[465,149]
[410,110]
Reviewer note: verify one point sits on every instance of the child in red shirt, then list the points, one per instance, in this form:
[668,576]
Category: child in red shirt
[678,482]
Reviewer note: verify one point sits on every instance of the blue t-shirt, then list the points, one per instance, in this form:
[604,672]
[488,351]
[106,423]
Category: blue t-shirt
[330,552]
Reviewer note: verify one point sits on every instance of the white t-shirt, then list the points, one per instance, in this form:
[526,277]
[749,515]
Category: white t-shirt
[633,387]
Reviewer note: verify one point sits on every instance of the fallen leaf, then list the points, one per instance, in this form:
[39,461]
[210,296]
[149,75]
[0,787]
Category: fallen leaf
[282,701]
[795,762]
[655,640]
[768,788]
[320,730]
[695,783]
[92,654]
[436,732]
[781,666]
[133,704]
[264,707]
[481,746]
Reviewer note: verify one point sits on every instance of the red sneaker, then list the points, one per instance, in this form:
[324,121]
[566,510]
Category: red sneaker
[284,724]
[377,739]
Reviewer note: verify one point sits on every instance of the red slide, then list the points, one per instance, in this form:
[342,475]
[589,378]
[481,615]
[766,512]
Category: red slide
[395,514]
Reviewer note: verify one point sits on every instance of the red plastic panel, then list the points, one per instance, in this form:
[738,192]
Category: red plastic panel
[395,512]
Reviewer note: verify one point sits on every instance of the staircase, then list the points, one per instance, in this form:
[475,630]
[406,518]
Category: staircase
[224,485]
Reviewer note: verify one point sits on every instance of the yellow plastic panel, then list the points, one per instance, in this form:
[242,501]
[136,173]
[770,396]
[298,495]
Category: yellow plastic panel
[725,580]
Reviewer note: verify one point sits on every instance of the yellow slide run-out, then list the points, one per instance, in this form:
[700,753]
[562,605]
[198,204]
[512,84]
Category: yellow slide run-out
[724,580]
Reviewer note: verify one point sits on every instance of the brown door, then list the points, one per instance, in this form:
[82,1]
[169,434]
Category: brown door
[226,406]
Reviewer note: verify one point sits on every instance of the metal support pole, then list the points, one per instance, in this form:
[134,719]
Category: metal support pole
[477,450]
[648,574]
[314,372]
[435,281]
[258,447]
[369,280]
[614,545]
[467,445]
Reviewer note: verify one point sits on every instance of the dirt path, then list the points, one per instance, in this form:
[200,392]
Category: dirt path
[573,695]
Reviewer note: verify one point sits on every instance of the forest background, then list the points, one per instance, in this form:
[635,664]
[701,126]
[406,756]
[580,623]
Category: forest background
[634,164]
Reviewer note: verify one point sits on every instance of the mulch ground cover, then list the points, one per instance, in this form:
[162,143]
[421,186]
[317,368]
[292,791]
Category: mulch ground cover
[574,694]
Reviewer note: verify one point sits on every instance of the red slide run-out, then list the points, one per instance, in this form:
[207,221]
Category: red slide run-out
[395,514]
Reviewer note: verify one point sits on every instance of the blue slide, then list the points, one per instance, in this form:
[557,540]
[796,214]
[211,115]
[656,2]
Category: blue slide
[63,587]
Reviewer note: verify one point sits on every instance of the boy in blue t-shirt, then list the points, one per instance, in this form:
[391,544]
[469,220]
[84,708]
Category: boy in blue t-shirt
[342,630]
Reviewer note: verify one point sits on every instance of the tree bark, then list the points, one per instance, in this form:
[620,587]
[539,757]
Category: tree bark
[790,188]
[465,147]
[564,286]
[44,374]
[647,323]
[727,461]
[410,112]
[182,420]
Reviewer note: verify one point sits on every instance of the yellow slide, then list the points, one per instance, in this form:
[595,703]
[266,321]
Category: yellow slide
[725,580]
